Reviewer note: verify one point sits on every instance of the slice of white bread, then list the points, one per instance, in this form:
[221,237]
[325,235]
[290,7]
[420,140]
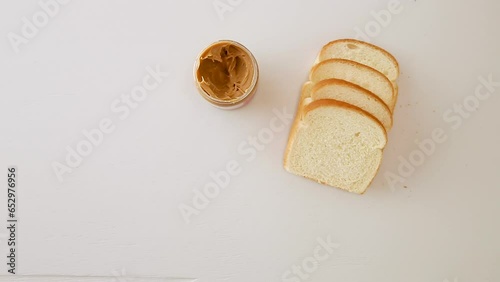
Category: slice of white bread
[364,53]
[355,95]
[346,92]
[359,74]
[337,144]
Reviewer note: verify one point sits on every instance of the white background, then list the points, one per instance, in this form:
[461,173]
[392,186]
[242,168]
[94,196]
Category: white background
[118,211]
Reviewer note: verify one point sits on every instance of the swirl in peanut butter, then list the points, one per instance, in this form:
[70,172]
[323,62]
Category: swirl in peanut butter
[225,71]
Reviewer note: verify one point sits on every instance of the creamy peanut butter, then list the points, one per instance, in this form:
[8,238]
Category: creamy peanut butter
[226,71]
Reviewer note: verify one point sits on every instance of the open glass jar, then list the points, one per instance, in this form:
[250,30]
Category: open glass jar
[226,74]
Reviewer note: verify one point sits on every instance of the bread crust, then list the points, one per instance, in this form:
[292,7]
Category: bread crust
[355,41]
[335,81]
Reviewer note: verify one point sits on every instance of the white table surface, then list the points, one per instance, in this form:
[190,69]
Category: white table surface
[117,214]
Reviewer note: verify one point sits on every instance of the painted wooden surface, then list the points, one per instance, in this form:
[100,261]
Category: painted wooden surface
[118,213]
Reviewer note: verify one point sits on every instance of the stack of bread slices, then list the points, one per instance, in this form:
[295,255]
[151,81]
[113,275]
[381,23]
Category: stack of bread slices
[344,114]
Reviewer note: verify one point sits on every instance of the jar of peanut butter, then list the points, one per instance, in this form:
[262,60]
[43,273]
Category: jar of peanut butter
[226,74]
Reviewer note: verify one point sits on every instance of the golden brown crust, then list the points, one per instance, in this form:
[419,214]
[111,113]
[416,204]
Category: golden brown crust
[305,92]
[358,65]
[396,96]
[355,41]
[331,81]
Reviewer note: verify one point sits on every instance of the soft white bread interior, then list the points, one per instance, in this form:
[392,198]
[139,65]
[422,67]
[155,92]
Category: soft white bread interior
[337,144]
[364,53]
[355,95]
[356,73]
